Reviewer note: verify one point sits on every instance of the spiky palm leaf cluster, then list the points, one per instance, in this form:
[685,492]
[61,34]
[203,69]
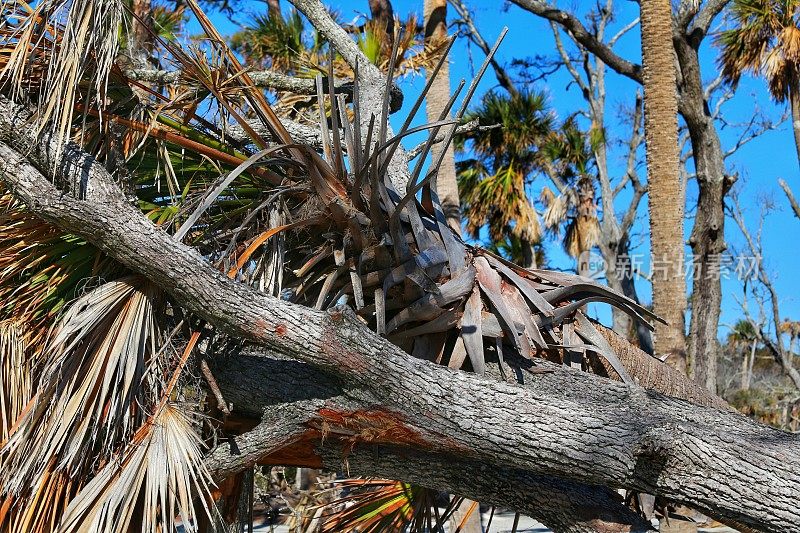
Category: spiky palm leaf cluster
[102,438]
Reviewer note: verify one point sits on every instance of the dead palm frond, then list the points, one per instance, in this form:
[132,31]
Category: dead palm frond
[161,470]
[361,240]
[764,42]
[101,372]
[81,38]
[16,378]
[575,211]
[378,505]
[499,202]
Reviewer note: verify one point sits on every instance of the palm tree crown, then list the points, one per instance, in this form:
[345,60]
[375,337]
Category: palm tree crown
[765,42]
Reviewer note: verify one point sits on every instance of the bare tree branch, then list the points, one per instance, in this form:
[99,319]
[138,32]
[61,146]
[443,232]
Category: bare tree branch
[782,356]
[582,36]
[698,28]
[475,36]
[469,127]
[268,79]
[623,31]
[319,16]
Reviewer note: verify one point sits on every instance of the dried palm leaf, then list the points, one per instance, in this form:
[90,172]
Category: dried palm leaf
[16,378]
[161,470]
[102,369]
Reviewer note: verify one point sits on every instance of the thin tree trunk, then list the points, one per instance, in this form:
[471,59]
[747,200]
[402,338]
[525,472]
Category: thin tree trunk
[436,100]
[707,239]
[661,142]
[749,370]
[794,103]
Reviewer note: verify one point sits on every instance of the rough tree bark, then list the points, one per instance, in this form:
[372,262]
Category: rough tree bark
[707,239]
[289,394]
[568,424]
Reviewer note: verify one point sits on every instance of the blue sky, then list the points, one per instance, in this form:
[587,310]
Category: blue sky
[759,163]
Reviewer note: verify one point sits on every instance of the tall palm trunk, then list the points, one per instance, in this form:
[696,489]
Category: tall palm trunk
[664,199]
[439,94]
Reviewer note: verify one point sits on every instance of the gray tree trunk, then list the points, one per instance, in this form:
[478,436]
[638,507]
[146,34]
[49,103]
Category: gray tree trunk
[707,239]
[794,104]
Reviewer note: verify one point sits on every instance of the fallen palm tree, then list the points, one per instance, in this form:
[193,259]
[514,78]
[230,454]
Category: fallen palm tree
[340,258]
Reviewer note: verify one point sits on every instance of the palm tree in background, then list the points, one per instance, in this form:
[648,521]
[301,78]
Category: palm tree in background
[744,335]
[568,159]
[492,183]
[661,144]
[766,42]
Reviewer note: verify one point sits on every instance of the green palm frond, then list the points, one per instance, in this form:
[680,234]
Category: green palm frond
[275,42]
[526,121]
[743,331]
[379,505]
[498,201]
